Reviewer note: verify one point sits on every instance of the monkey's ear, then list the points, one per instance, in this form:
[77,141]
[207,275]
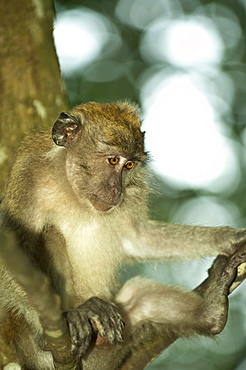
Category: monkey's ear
[65,129]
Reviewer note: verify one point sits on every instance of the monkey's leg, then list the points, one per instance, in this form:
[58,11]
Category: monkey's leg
[155,316]
[146,301]
[203,311]
[144,340]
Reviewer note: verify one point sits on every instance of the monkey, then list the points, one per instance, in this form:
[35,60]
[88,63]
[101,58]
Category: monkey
[77,202]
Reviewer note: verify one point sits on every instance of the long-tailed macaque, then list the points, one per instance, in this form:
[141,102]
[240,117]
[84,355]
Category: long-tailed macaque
[77,205]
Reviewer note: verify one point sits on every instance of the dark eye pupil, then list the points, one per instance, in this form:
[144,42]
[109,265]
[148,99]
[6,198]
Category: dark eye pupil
[113,161]
[129,165]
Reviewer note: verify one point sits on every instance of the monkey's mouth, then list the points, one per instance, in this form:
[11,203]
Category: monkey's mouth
[102,205]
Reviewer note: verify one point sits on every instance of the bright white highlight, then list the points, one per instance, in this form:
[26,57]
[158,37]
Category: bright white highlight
[182,136]
[129,248]
[192,43]
[186,42]
[183,132]
[206,211]
[79,37]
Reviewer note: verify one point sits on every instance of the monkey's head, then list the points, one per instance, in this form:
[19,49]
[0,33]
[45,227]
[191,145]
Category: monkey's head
[104,151]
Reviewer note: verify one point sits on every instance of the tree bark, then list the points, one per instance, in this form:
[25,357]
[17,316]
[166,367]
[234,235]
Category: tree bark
[31,89]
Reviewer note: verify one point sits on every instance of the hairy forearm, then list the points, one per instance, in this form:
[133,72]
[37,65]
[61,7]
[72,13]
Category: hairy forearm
[168,241]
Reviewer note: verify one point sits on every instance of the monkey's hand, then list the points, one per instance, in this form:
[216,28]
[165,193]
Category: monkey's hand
[104,319]
[93,317]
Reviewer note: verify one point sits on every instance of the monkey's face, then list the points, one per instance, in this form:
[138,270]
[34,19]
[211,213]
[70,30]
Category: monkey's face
[110,177]
[105,152]
[102,174]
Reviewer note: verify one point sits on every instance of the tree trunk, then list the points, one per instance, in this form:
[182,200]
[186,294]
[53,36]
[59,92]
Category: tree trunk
[31,91]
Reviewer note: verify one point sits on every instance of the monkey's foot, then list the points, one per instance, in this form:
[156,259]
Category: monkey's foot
[217,287]
[228,270]
[94,316]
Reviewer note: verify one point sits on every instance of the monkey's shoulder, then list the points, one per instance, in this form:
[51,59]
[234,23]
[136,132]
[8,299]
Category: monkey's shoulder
[37,142]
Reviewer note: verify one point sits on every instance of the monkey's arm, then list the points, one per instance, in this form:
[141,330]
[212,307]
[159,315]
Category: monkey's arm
[155,241]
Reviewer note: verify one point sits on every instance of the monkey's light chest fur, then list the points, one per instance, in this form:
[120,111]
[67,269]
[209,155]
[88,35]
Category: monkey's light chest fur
[94,267]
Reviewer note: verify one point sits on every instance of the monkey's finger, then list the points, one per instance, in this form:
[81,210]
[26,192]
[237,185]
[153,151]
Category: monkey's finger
[110,311]
[80,331]
[114,330]
[104,328]
[118,324]
[98,325]
[72,329]
[119,336]
[84,332]
[73,336]
[114,326]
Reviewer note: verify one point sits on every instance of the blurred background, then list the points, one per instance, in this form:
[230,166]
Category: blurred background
[183,62]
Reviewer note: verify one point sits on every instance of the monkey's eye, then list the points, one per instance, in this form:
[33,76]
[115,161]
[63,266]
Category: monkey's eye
[113,161]
[130,165]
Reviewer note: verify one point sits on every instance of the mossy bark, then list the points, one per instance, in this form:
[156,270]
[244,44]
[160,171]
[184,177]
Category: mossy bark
[31,90]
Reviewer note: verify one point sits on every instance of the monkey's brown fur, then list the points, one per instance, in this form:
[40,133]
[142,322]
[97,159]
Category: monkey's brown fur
[77,205]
